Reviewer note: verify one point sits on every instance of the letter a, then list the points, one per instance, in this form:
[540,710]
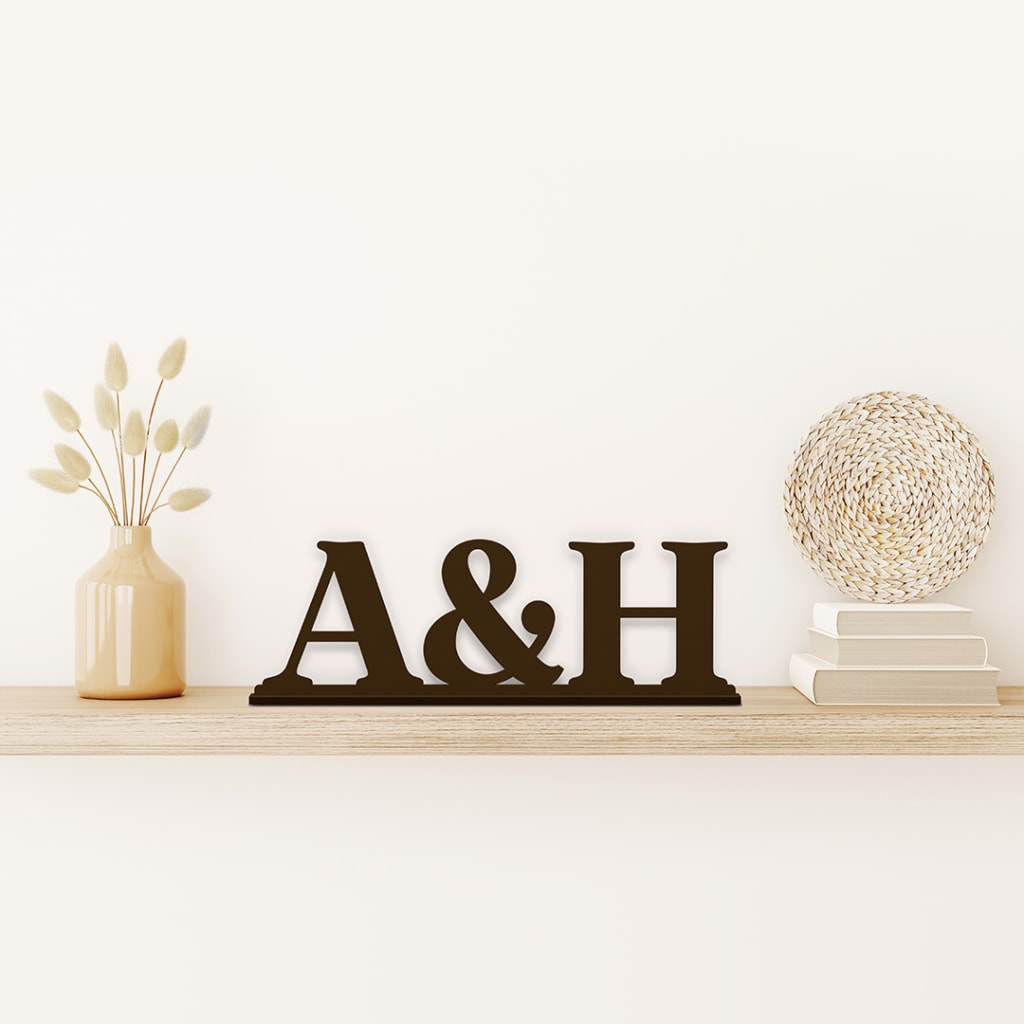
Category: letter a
[349,564]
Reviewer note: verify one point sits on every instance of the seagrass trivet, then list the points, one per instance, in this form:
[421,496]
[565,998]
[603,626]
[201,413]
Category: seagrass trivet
[889,497]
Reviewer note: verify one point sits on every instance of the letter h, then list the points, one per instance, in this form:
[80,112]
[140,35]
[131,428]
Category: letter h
[694,680]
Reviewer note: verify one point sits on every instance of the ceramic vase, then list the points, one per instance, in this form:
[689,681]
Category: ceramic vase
[130,622]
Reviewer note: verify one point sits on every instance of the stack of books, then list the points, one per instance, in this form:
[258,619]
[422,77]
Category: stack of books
[894,654]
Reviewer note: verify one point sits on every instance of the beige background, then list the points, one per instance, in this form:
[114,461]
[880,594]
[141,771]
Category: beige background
[537,272]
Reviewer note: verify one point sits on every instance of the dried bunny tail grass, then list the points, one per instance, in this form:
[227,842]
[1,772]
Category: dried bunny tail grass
[134,443]
[62,411]
[195,429]
[115,371]
[188,498]
[73,463]
[164,440]
[106,409]
[106,413]
[166,437]
[55,480]
[169,366]
[64,483]
[134,434]
[172,360]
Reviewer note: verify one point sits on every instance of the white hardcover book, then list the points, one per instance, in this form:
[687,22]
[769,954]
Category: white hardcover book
[937,649]
[823,683]
[858,618]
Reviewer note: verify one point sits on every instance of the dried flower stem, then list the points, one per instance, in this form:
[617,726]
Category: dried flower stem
[99,466]
[152,479]
[145,454]
[117,463]
[93,489]
[119,445]
[131,522]
[161,491]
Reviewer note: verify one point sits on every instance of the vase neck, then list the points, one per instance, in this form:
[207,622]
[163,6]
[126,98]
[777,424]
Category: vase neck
[131,539]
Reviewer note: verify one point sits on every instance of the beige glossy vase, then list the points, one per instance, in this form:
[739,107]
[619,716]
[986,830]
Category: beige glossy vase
[130,622]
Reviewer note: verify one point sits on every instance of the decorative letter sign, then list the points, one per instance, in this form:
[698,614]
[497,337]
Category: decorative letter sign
[523,676]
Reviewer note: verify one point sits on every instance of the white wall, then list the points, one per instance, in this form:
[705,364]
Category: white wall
[537,272]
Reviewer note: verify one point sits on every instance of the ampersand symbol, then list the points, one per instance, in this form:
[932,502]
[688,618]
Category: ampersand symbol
[472,605]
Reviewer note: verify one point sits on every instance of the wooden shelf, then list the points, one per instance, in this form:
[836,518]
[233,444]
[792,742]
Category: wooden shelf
[218,720]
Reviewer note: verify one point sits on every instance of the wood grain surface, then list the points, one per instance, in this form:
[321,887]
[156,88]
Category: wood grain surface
[218,720]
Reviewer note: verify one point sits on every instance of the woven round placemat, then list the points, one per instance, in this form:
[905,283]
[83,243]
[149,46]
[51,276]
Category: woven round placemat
[889,497]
